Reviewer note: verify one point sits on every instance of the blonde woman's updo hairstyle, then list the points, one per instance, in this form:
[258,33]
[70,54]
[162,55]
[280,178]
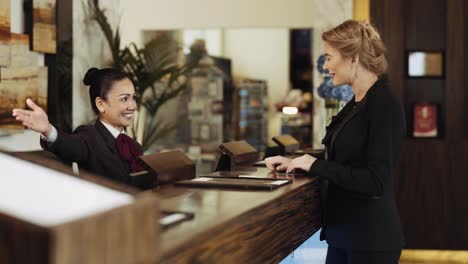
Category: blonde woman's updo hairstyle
[353,38]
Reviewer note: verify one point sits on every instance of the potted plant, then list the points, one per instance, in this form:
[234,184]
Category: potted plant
[156,73]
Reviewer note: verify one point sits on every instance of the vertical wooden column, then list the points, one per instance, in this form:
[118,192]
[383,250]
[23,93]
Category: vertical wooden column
[387,16]
[456,95]
[59,94]
[61,88]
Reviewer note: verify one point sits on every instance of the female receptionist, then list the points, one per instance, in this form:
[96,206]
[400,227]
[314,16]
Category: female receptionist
[102,148]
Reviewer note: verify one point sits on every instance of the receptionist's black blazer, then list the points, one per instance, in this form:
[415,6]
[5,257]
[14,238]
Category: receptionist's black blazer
[363,145]
[93,147]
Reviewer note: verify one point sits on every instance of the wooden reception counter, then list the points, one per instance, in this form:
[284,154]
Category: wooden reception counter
[239,226]
[228,226]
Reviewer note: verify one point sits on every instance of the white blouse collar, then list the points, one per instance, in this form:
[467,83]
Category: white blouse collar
[111,129]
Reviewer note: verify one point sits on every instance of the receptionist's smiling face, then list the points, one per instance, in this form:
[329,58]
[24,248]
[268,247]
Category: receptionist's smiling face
[118,107]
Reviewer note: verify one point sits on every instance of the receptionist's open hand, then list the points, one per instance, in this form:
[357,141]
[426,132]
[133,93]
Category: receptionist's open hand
[303,163]
[35,119]
[278,163]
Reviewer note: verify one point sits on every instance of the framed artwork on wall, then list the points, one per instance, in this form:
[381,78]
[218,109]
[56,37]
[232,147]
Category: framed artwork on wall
[425,120]
[4,32]
[22,79]
[425,64]
[44,26]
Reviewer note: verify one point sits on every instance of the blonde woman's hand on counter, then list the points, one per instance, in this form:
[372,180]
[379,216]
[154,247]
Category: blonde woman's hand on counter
[278,163]
[303,162]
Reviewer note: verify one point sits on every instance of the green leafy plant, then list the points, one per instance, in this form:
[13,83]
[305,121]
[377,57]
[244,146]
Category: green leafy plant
[155,70]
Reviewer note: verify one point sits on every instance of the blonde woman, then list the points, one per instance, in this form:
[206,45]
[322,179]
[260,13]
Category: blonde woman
[362,147]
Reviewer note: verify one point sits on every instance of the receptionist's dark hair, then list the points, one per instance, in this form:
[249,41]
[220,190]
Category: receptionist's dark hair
[100,83]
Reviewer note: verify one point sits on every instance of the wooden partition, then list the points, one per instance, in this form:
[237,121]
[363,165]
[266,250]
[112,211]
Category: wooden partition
[289,146]
[47,216]
[168,167]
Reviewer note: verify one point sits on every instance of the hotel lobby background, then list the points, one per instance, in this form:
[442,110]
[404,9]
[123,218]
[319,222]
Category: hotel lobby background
[433,178]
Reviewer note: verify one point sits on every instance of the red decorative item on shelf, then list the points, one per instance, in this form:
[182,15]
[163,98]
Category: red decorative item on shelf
[425,120]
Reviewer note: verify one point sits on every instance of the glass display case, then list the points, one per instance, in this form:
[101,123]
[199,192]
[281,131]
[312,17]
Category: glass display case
[201,107]
[253,108]
[299,126]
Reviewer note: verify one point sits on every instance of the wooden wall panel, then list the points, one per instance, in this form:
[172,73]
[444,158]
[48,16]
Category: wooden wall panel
[465,69]
[457,212]
[387,16]
[454,63]
[422,195]
[424,24]
[456,140]
[433,179]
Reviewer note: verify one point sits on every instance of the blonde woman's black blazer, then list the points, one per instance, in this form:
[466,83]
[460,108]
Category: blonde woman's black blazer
[93,147]
[363,145]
